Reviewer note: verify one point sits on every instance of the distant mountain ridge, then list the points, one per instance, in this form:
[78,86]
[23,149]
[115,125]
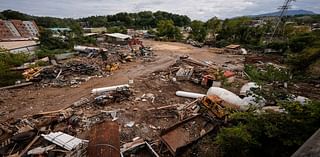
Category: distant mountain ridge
[289,13]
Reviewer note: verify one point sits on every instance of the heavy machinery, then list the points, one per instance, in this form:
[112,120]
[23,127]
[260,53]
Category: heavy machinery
[135,41]
[144,51]
[215,107]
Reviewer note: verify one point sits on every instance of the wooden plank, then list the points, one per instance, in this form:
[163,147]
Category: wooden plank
[29,145]
[16,86]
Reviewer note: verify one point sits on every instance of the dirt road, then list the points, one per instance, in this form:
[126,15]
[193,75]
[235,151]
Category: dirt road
[17,103]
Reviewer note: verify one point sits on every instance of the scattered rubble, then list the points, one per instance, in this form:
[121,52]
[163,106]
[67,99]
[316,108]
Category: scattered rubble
[185,132]
[138,147]
[68,74]
[194,43]
[141,118]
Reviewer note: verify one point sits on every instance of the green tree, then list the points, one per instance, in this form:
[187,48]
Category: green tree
[168,30]
[214,25]
[47,41]
[304,50]
[199,31]
[238,30]
[117,29]
[11,14]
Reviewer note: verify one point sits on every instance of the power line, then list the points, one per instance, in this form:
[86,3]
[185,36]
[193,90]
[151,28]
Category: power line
[283,13]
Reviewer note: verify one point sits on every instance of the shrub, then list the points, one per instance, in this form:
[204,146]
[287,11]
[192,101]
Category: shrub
[270,134]
[11,59]
[269,74]
[8,77]
[235,141]
[280,46]
[8,60]
[49,53]
[302,60]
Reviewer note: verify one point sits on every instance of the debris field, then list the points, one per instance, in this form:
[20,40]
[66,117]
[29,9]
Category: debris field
[144,103]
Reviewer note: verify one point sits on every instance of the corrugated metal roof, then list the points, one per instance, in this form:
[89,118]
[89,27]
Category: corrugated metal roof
[63,140]
[119,35]
[60,29]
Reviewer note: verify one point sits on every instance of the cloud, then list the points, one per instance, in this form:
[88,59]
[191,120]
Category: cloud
[195,9]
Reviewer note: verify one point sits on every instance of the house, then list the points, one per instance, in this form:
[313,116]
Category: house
[60,30]
[257,23]
[18,46]
[117,38]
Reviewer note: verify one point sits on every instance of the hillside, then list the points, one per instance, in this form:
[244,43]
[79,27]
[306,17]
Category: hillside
[289,13]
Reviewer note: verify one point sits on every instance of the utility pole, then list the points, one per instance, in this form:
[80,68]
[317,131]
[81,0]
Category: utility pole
[282,18]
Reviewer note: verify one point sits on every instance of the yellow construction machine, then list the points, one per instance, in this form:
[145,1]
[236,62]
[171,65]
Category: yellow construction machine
[215,107]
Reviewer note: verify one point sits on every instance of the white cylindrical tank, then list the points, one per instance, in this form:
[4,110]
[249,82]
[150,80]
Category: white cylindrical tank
[228,97]
[107,89]
[189,94]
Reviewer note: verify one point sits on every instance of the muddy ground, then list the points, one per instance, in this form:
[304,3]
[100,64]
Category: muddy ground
[134,115]
[17,103]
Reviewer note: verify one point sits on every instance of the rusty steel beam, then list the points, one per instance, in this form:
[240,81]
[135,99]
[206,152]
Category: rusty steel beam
[104,140]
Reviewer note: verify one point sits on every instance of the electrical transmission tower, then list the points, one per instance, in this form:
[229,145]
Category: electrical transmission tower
[282,18]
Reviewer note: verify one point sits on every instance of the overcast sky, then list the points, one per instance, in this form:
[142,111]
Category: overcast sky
[195,9]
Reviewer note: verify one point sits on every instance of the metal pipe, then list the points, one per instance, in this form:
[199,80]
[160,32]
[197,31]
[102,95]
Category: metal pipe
[104,140]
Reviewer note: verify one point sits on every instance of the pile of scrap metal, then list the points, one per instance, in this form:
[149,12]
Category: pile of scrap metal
[146,52]
[194,43]
[40,135]
[138,147]
[207,113]
[127,57]
[200,73]
[136,45]
[112,55]
[55,133]
[117,95]
[69,74]
[89,51]
[182,134]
